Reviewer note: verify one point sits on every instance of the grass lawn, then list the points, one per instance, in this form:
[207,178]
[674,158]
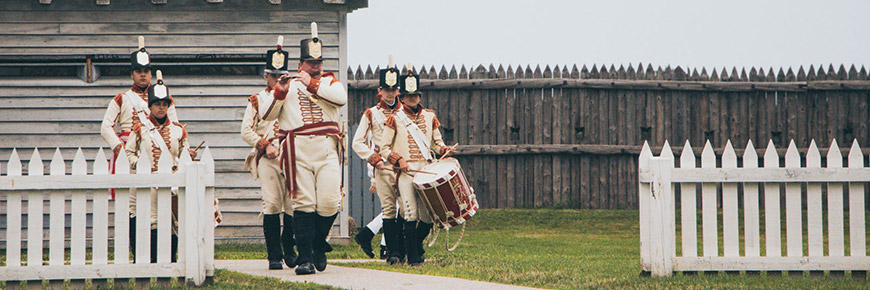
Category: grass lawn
[564,249]
[232,280]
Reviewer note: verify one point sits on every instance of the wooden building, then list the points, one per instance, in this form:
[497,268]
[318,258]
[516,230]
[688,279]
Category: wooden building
[61,62]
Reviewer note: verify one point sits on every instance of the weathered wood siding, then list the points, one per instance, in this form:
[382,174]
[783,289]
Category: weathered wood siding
[65,111]
[569,137]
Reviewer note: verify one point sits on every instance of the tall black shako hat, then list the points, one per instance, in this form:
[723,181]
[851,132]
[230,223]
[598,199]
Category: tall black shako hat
[276,59]
[311,48]
[409,83]
[140,58]
[389,76]
[159,91]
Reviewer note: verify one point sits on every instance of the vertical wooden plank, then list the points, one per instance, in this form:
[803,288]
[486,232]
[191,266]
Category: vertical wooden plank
[100,245]
[644,200]
[13,215]
[708,204]
[771,207]
[688,206]
[730,234]
[164,213]
[143,214]
[208,213]
[122,214]
[857,236]
[793,230]
[814,205]
[34,214]
[750,205]
[836,240]
[79,206]
[56,214]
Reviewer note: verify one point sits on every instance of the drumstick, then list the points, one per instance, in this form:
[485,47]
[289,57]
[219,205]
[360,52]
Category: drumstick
[411,170]
[198,146]
[445,155]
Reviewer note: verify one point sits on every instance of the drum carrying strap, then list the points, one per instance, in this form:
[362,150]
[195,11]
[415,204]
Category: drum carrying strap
[416,134]
[139,106]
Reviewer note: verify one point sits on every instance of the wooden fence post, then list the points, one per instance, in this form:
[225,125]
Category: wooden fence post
[194,270]
[644,205]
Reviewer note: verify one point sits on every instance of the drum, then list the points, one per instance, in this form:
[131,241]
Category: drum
[446,192]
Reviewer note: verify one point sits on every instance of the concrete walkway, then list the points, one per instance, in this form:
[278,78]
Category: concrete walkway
[357,278]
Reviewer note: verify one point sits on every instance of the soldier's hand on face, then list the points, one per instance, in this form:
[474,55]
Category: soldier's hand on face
[303,77]
[271,152]
[373,188]
[192,153]
[403,166]
[284,82]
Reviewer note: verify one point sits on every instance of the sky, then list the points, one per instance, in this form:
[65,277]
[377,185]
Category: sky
[695,34]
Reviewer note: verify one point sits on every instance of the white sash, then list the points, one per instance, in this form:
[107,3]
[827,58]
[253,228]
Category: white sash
[378,116]
[132,97]
[416,134]
[265,100]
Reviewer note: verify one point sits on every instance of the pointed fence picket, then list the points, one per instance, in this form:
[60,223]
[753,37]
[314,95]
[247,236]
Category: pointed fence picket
[658,177]
[193,183]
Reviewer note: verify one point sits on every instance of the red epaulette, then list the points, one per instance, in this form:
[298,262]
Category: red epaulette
[435,123]
[391,122]
[368,114]
[254,102]
[330,74]
[119,99]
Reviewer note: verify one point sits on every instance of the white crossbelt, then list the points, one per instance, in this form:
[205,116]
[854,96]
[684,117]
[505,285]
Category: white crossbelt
[139,106]
[416,134]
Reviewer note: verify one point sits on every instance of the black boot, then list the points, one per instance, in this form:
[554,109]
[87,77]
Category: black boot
[423,230]
[320,245]
[364,239]
[303,229]
[412,244]
[400,240]
[272,232]
[288,242]
[392,231]
[383,254]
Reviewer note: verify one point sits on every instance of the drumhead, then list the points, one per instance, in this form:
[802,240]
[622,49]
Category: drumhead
[440,168]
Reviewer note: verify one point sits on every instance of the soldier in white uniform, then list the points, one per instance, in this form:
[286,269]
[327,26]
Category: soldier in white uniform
[155,136]
[265,166]
[122,111]
[410,137]
[306,106]
[371,127]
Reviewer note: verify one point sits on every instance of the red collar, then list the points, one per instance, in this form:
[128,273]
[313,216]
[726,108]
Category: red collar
[136,89]
[411,112]
[383,105]
[156,123]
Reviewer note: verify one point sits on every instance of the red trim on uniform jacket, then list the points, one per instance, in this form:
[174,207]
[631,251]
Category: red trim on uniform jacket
[390,122]
[329,74]
[368,113]
[154,121]
[411,112]
[280,94]
[313,85]
[183,130]
[435,122]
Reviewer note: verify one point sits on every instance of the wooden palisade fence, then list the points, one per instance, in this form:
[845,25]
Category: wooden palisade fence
[804,182]
[569,137]
[89,197]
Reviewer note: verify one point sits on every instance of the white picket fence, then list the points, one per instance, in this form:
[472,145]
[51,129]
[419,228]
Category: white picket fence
[658,179]
[195,181]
